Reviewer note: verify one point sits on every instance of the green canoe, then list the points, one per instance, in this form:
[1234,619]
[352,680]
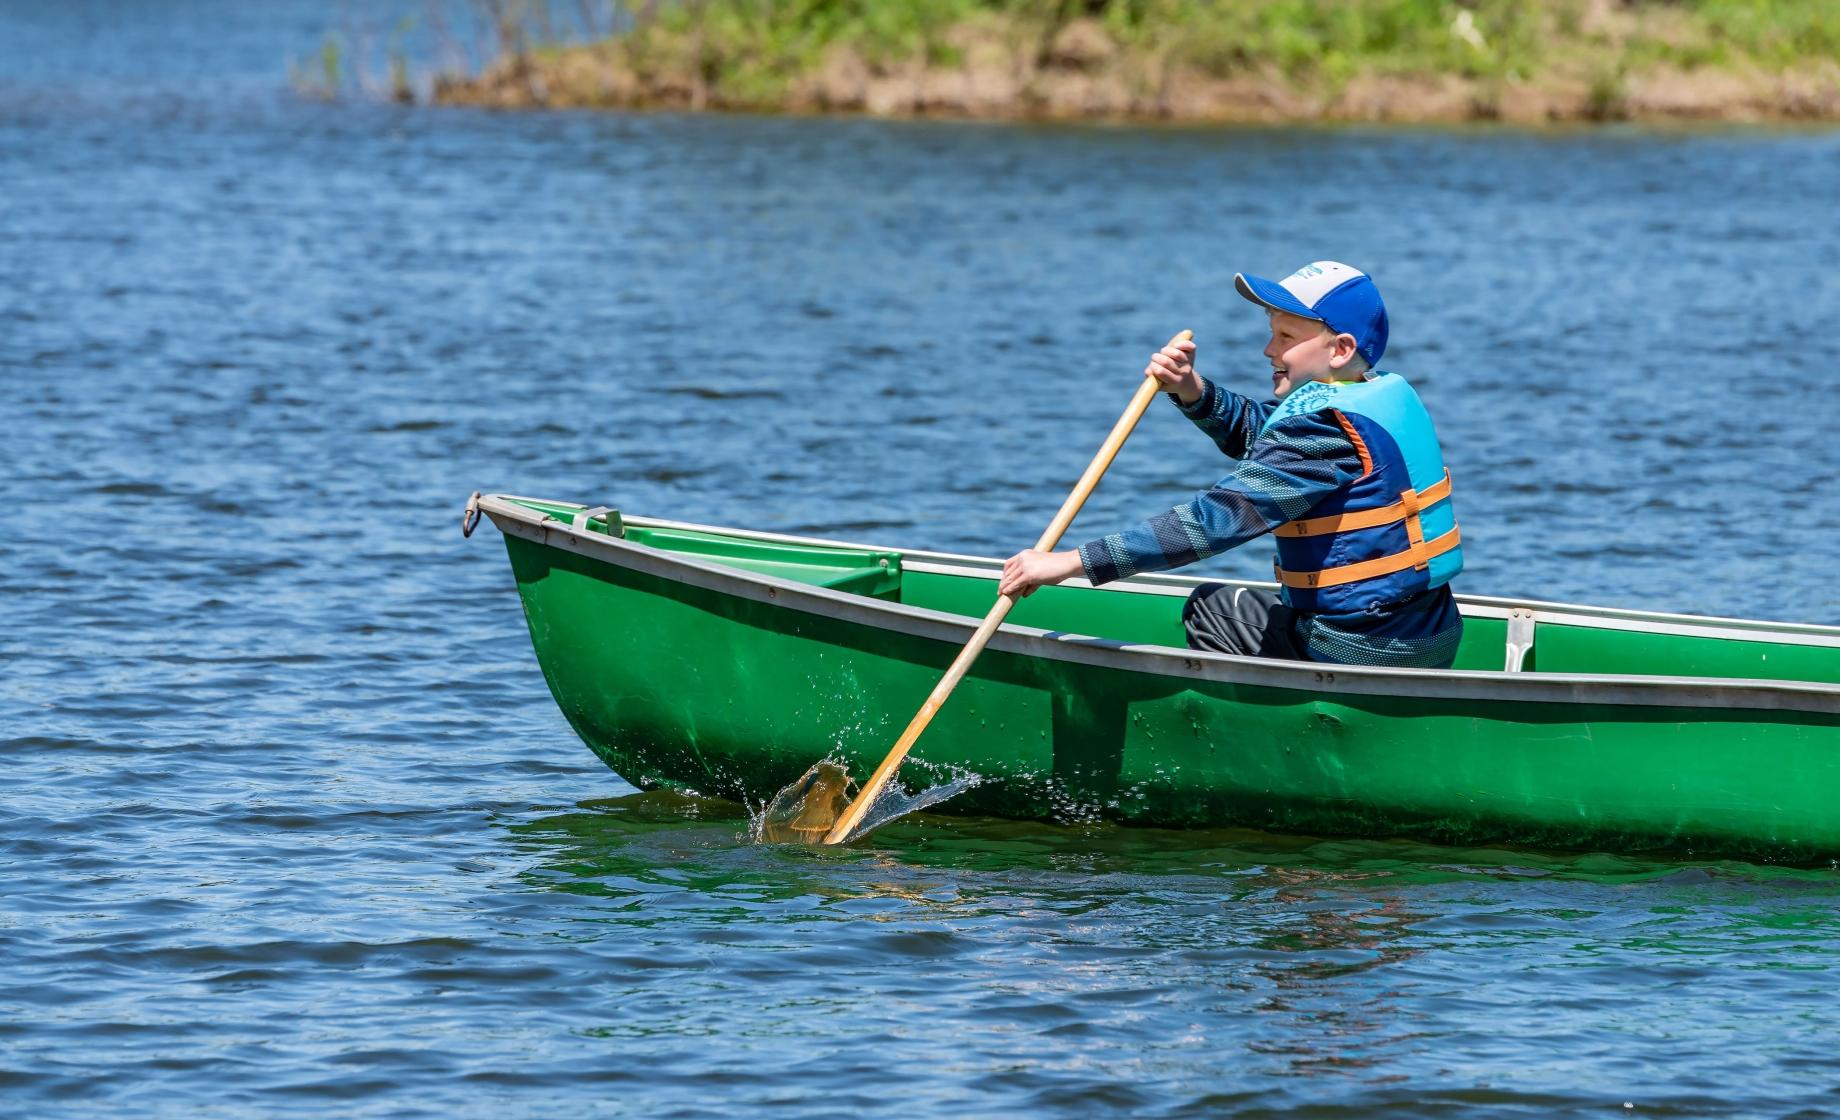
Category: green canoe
[726,662]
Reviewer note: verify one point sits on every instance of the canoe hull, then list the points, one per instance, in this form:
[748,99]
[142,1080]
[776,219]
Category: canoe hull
[673,683]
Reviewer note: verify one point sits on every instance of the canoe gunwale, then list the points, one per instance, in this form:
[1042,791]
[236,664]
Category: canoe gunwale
[515,519]
[1473,606]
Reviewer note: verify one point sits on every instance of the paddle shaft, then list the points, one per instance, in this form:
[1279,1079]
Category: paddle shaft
[853,815]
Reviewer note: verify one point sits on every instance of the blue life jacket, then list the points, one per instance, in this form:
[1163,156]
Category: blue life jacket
[1392,533]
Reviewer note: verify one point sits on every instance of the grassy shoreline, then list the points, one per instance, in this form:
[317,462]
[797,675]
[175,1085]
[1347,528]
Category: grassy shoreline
[1187,60]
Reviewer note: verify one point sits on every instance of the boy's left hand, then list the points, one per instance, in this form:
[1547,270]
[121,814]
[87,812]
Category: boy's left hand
[1032,568]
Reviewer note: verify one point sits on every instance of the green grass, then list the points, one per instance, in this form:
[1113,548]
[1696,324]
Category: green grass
[1306,40]
[755,53]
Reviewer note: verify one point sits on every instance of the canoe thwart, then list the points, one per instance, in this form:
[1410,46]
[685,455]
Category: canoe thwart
[606,515]
[1520,638]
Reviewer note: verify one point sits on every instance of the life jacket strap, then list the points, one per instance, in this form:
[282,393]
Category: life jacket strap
[1410,504]
[1418,556]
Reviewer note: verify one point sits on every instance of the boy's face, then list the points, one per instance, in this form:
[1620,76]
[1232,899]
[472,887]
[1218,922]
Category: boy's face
[1303,350]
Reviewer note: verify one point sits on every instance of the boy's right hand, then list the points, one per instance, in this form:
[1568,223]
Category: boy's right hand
[1174,366]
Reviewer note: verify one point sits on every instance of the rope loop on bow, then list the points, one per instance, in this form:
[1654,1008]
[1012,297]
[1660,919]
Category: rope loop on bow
[470,519]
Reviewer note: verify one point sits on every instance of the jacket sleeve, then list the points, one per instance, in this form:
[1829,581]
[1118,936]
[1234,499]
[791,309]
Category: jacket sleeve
[1230,420]
[1291,467]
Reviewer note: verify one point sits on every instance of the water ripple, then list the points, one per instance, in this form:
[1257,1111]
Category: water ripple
[292,826]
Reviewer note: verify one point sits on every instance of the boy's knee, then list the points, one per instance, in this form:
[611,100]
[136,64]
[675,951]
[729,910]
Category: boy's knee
[1200,603]
[1208,618]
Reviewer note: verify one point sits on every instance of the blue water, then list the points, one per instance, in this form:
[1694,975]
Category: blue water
[290,825]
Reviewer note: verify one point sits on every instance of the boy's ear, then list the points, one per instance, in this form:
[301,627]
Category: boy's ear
[1344,351]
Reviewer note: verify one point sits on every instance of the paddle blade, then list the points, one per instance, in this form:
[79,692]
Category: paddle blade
[808,808]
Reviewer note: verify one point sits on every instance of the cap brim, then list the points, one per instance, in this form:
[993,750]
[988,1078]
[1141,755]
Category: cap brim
[1270,293]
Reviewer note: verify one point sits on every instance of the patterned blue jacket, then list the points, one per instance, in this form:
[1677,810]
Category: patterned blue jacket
[1279,476]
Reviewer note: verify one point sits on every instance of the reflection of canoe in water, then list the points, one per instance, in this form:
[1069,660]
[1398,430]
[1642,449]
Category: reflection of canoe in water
[727,662]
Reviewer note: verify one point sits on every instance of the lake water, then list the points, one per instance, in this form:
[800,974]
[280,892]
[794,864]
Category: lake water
[290,826]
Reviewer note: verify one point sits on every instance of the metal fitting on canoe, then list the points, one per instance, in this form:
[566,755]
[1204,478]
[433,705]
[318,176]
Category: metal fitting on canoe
[470,519]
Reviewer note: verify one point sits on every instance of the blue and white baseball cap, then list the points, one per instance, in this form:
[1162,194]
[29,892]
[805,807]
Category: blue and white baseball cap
[1342,298]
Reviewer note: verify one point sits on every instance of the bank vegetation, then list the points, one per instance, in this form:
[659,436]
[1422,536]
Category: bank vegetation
[1186,60]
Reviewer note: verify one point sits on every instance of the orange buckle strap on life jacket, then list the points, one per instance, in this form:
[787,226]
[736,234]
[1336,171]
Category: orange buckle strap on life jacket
[1407,508]
[1417,556]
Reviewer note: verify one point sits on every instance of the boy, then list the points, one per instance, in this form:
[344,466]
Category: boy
[1343,468]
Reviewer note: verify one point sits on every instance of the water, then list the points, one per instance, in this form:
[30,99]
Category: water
[291,826]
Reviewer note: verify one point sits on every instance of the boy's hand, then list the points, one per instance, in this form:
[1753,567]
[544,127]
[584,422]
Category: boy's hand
[1030,568]
[1174,366]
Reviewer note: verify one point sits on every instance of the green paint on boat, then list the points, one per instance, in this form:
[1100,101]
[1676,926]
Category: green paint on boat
[727,662]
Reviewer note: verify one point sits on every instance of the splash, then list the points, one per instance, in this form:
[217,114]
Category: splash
[804,811]
[895,802]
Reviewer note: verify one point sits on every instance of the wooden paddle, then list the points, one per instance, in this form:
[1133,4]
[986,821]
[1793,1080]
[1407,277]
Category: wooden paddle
[871,789]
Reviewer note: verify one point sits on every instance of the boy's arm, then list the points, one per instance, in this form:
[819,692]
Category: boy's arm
[1230,420]
[1295,465]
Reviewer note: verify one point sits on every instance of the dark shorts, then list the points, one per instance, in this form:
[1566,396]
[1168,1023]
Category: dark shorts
[1244,620]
